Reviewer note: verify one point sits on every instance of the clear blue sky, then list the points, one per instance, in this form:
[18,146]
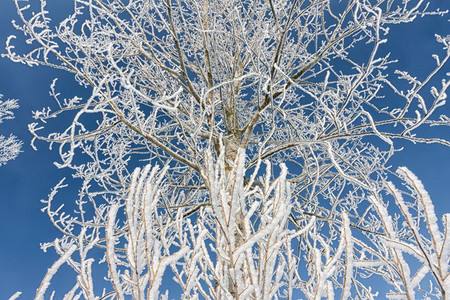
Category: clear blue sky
[30,177]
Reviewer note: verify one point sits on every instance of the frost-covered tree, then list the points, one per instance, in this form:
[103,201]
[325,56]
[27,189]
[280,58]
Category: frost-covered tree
[9,146]
[263,132]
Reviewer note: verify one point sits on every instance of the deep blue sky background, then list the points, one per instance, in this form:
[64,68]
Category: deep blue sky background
[29,178]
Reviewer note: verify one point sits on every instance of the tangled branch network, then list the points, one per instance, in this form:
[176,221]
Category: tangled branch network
[239,149]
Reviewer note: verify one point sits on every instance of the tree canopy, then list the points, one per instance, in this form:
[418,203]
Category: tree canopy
[239,149]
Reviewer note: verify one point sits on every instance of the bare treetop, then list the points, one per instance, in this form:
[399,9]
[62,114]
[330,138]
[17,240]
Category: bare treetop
[211,90]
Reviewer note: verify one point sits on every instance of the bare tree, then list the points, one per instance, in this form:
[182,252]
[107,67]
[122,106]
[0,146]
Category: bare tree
[273,123]
[9,146]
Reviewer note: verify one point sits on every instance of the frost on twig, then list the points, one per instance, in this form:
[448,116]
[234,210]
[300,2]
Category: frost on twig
[415,234]
[9,146]
[234,247]
[244,241]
